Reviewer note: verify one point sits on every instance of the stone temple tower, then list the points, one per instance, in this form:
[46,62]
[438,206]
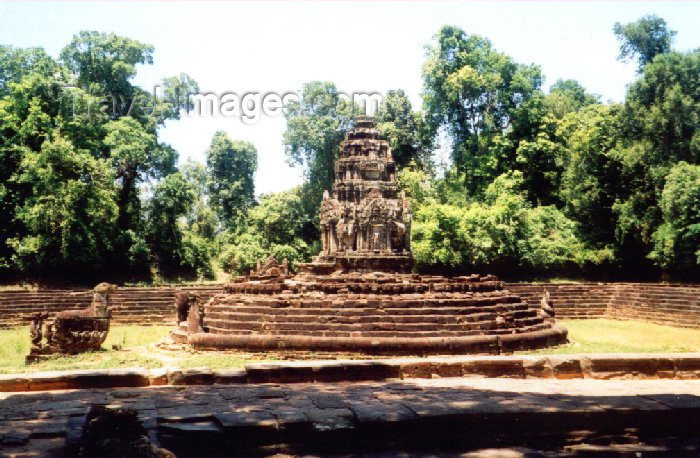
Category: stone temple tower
[365,221]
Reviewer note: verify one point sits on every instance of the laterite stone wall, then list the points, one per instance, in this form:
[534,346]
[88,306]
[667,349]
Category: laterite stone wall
[129,305]
[672,304]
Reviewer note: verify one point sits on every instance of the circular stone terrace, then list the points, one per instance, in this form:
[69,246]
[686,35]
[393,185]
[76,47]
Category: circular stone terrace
[373,313]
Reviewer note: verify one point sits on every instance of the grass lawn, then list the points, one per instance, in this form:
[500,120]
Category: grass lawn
[137,349]
[14,346]
[601,335]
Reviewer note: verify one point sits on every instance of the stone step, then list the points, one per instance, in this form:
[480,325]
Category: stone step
[369,316]
[375,333]
[393,311]
[331,327]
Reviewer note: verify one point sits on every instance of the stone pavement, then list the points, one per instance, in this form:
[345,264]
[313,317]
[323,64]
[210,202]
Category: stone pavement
[421,414]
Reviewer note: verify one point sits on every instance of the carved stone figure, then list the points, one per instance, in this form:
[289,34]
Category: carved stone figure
[72,331]
[271,268]
[546,306]
[182,305]
[195,314]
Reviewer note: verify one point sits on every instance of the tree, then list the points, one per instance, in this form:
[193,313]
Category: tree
[231,167]
[567,96]
[315,127]
[662,128]
[499,233]
[663,108]
[591,179]
[475,93]
[404,129]
[644,39]
[43,102]
[17,63]
[69,213]
[105,62]
[104,66]
[202,219]
[677,239]
[173,198]
[278,226]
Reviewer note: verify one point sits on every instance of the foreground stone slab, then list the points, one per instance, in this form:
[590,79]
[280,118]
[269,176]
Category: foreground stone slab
[459,413]
[684,366]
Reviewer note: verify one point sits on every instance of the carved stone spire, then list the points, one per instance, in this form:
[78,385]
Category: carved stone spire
[365,222]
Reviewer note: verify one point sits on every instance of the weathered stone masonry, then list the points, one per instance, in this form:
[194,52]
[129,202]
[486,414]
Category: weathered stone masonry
[670,304]
[677,305]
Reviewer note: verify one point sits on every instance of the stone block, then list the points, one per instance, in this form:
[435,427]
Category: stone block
[566,367]
[416,369]
[229,376]
[12,382]
[621,366]
[511,367]
[687,366]
[194,376]
[537,367]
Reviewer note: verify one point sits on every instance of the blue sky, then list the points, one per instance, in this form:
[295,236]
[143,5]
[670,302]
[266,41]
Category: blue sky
[362,46]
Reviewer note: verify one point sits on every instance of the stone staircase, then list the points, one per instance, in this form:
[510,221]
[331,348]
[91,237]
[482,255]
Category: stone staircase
[372,316]
[129,305]
[571,300]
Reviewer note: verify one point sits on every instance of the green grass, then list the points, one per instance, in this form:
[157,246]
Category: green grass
[224,360]
[615,336]
[14,346]
[137,349]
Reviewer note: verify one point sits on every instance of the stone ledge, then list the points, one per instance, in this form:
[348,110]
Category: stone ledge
[685,366]
[476,344]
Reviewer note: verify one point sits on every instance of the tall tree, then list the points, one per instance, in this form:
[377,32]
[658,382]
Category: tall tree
[644,39]
[404,129]
[315,127]
[68,213]
[231,166]
[43,100]
[677,239]
[105,62]
[567,96]
[592,173]
[662,127]
[173,198]
[476,93]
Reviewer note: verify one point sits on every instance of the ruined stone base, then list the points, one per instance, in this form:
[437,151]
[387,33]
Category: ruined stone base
[373,313]
[362,263]
[384,345]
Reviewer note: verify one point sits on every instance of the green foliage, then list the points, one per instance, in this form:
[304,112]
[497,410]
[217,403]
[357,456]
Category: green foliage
[645,38]
[568,96]
[18,63]
[417,185]
[69,213]
[403,129]
[677,239]
[501,231]
[538,181]
[478,95]
[176,249]
[591,176]
[278,226]
[105,62]
[231,168]
[315,127]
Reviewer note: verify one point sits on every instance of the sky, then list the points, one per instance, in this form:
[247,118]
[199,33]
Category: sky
[372,46]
